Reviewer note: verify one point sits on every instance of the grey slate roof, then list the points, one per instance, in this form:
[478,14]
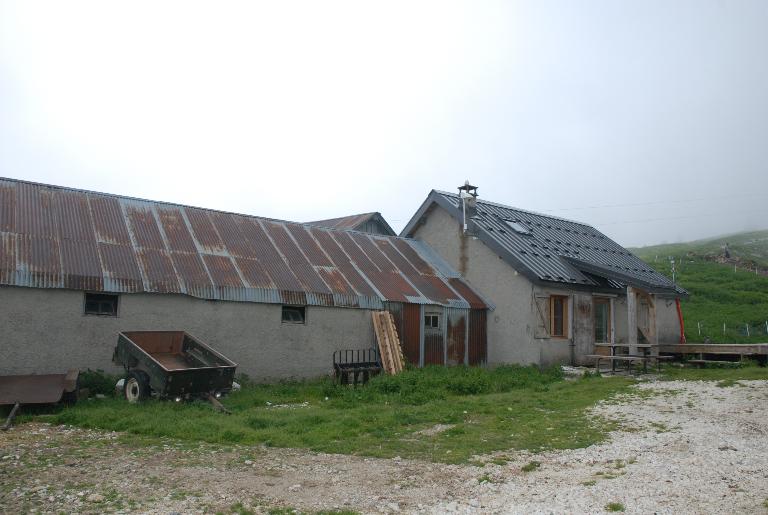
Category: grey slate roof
[556,250]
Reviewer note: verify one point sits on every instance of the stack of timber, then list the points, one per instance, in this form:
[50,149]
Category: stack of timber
[389,344]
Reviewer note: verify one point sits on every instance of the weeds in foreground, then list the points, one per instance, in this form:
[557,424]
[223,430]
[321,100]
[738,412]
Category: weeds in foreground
[726,376]
[530,466]
[614,506]
[488,411]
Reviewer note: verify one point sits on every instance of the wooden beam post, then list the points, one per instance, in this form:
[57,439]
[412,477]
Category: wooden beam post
[631,320]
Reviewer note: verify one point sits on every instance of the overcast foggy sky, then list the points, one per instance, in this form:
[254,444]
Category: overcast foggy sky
[310,110]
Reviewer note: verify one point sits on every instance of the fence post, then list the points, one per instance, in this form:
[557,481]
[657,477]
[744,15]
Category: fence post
[698,324]
[766,325]
[747,325]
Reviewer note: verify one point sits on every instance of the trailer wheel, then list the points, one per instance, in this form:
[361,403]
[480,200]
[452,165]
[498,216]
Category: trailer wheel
[136,386]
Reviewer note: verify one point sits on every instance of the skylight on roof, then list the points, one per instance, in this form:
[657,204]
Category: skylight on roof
[517,226]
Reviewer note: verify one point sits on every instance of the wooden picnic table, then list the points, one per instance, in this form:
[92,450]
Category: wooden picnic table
[644,358]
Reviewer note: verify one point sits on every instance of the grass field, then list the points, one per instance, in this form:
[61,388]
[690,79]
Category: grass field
[437,414]
[719,295]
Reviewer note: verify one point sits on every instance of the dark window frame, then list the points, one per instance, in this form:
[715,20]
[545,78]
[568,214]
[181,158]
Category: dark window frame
[101,304]
[287,315]
[432,321]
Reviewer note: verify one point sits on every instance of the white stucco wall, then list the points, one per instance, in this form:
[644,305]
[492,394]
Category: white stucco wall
[511,324]
[512,334]
[45,331]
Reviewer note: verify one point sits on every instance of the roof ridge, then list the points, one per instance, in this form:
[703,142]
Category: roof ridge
[527,211]
[344,217]
[174,204]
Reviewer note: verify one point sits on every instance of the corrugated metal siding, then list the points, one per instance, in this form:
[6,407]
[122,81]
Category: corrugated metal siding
[434,350]
[478,340]
[7,258]
[408,323]
[456,335]
[54,237]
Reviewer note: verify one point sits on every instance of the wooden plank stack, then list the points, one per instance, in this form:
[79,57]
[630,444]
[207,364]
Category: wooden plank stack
[392,360]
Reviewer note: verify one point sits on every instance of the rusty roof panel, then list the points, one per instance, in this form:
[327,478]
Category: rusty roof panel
[308,245]
[296,260]
[256,243]
[392,286]
[175,228]
[254,273]
[475,302]
[192,272]
[342,262]
[433,287]
[336,281]
[223,271]
[157,268]
[7,207]
[38,261]
[412,256]
[63,238]
[120,268]
[143,226]
[203,230]
[373,252]
[351,248]
[295,298]
[81,267]
[231,235]
[271,260]
[108,220]
[74,217]
[35,214]
[7,258]
[398,259]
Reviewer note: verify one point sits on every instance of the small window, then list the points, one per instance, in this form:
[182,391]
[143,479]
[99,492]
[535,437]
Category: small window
[558,316]
[294,314]
[100,304]
[518,227]
[432,321]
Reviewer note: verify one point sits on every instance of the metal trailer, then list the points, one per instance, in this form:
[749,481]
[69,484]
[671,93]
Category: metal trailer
[172,364]
[36,389]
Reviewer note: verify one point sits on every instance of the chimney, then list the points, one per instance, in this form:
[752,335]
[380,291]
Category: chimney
[468,207]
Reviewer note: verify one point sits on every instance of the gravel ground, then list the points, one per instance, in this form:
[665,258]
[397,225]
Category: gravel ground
[684,447]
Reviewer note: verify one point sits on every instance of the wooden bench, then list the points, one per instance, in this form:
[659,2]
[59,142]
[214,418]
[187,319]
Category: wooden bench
[628,359]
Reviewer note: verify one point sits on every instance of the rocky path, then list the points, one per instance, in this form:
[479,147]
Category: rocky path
[684,447]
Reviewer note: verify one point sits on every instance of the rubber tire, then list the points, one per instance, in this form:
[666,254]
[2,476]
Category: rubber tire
[136,388]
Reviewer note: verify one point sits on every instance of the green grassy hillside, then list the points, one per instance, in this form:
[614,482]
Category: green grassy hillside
[746,249]
[724,288]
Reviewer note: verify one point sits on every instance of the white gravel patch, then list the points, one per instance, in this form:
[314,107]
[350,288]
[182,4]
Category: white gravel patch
[684,447]
[692,448]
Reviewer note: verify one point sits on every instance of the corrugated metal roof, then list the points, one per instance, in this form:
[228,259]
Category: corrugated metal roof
[357,223]
[553,249]
[54,237]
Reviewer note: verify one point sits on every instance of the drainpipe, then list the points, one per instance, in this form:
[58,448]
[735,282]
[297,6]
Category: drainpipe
[680,317]
[572,344]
